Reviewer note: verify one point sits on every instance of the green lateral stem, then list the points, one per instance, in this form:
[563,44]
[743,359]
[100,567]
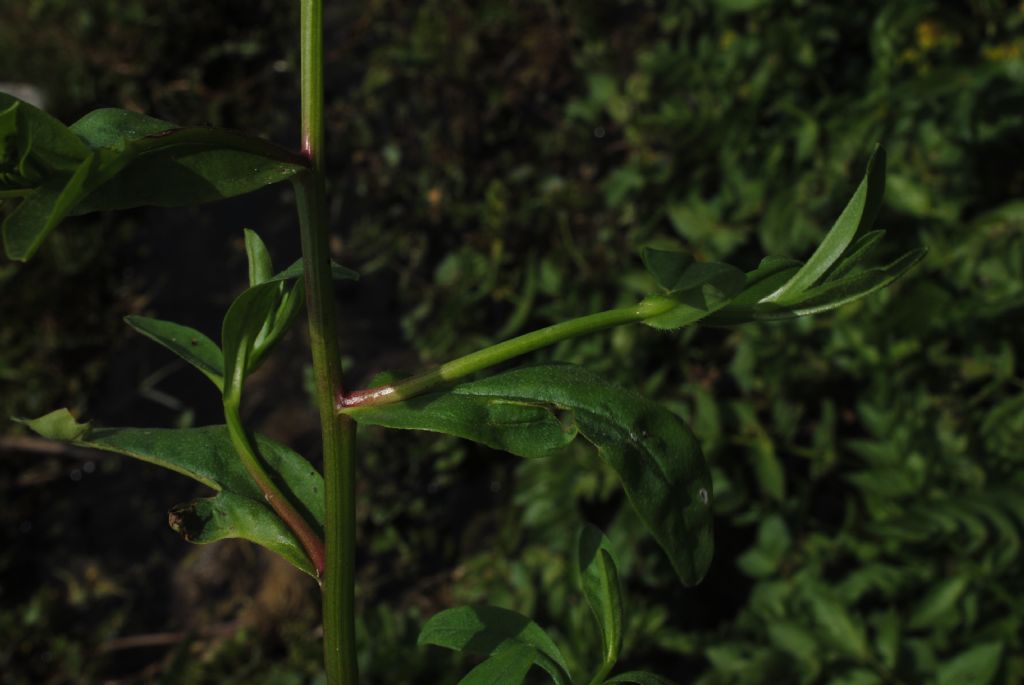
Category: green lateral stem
[496,354]
[277,500]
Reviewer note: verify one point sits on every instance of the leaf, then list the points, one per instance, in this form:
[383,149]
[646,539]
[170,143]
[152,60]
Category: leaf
[57,425]
[599,580]
[825,297]
[156,163]
[834,622]
[940,600]
[677,272]
[268,308]
[507,667]
[211,519]
[42,210]
[114,159]
[653,452]
[861,211]
[206,455]
[773,542]
[338,272]
[836,293]
[975,666]
[490,630]
[245,322]
[188,343]
[523,429]
[700,288]
[639,678]
[35,141]
[855,256]
[261,267]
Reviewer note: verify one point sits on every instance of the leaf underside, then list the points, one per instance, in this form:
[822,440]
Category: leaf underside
[656,457]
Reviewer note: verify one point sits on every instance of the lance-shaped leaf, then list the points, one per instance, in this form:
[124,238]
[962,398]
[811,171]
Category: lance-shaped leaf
[114,159]
[271,321]
[491,630]
[261,266]
[599,580]
[188,343]
[245,325]
[653,452]
[824,297]
[206,455]
[855,256]
[860,213]
[150,162]
[507,667]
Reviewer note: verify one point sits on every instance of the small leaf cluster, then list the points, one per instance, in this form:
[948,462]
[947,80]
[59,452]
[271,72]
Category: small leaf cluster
[513,644]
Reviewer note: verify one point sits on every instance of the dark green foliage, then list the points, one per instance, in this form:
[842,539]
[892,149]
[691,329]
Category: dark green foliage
[116,159]
[653,452]
[206,455]
[502,164]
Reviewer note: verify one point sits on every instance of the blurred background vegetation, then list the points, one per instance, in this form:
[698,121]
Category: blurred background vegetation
[495,167]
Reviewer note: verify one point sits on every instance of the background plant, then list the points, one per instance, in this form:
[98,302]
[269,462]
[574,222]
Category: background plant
[941,82]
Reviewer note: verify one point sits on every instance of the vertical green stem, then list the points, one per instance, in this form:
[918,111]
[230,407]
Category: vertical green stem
[338,435]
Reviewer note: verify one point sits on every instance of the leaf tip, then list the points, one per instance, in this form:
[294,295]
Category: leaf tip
[57,425]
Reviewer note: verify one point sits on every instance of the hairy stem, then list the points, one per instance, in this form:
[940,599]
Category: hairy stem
[495,354]
[338,433]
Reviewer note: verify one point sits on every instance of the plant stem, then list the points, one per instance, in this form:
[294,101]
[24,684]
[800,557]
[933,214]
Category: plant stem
[603,672]
[285,509]
[338,432]
[495,354]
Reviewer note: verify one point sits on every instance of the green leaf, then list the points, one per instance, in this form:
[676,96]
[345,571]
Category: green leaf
[207,455]
[490,630]
[639,678]
[43,209]
[677,272]
[834,622]
[860,212]
[836,293]
[523,429]
[855,256]
[188,343]
[57,425]
[653,452]
[261,267]
[227,515]
[246,322]
[700,288]
[338,272]
[507,667]
[825,297]
[976,666]
[155,163]
[940,600]
[32,142]
[114,159]
[599,580]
